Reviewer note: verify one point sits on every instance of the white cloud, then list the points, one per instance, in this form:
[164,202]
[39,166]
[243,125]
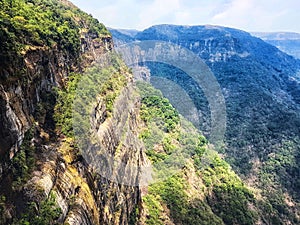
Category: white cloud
[257,15]
[251,15]
[157,10]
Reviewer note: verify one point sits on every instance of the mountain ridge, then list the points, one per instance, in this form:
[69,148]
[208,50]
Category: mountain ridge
[46,179]
[261,89]
[285,41]
[53,56]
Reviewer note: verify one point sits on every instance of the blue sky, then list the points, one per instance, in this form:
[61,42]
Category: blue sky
[249,15]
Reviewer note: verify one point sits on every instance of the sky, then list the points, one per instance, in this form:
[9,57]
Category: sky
[248,15]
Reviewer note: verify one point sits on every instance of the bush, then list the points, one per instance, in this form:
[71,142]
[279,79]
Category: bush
[44,213]
[24,161]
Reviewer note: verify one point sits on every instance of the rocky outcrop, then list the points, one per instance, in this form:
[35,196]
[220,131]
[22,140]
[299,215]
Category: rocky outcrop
[118,186]
[83,196]
[41,70]
[87,193]
[106,182]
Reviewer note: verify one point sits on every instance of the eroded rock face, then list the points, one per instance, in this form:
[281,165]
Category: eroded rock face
[119,184]
[83,196]
[86,193]
[23,86]
[19,95]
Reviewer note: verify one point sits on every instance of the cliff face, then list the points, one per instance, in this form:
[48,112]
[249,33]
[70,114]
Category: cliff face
[43,69]
[54,171]
[27,83]
[84,195]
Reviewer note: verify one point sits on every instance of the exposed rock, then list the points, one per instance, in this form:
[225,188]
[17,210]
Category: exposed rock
[83,196]
[44,69]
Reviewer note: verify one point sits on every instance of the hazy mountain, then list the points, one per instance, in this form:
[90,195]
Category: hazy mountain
[286,41]
[52,89]
[262,92]
[80,143]
[129,32]
[124,37]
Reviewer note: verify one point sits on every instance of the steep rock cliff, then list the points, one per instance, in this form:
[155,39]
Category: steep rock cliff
[36,69]
[46,178]
[27,103]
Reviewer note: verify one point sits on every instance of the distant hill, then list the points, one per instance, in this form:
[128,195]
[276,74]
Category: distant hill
[129,32]
[124,36]
[280,36]
[286,41]
[83,142]
[260,84]
[54,97]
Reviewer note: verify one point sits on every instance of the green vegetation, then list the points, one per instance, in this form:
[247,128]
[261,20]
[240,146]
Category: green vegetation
[24,161]
[161,121]
[204,189]
[44,213]
[221,198]
[63,107]
[25,23]
[76,100]
[172,194]
[229,198]
[278,171]
[156,108]
[2,209]
[155,209]
[134,215]
[262,135]
[192,89]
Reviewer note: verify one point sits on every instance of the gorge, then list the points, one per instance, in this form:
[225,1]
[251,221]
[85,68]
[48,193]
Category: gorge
[52,56]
